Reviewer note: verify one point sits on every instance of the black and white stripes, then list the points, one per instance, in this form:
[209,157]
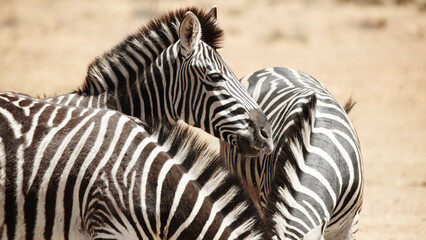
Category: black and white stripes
[85,173]
[170,70]
[312,182]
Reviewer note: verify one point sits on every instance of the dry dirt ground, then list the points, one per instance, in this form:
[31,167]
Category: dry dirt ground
[377,54]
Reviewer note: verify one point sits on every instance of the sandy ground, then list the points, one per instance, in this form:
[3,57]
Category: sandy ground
[377,54]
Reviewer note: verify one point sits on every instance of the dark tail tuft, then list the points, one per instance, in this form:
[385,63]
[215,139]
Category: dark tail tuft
[349,105]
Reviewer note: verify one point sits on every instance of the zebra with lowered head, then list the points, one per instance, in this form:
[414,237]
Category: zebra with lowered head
[170,70]
[311,185]
[85,173]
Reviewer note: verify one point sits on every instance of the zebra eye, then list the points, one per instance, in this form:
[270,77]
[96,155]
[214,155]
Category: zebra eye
[215,77]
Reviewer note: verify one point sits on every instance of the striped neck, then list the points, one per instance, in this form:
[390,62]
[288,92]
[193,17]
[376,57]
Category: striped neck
[133,76]
[127,78]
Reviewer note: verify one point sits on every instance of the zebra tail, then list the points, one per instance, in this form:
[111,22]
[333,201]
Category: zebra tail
[349,105]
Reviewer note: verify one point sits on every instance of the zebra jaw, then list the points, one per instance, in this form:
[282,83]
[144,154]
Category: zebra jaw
[234,143]
[247,146]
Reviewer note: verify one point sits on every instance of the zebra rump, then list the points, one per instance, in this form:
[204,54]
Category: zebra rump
[81,173]
[311,185]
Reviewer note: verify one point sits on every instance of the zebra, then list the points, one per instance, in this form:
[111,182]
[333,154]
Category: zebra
[171,70]
[311,185]
[85,173]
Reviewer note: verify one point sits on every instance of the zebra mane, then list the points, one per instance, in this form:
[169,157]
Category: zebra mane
[185,141]
[179,134]
[212,34]
[297,136]
[161,31]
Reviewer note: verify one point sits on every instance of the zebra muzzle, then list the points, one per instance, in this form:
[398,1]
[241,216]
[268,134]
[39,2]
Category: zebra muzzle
[247,146]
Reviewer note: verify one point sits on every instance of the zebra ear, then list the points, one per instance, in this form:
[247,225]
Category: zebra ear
[189,34]
[213,13]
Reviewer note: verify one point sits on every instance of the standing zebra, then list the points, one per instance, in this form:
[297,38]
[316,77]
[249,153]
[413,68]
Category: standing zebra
[312,181]
[85,173]
[170,70]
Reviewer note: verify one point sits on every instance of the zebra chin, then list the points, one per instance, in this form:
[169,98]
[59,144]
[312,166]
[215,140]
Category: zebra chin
[251,148]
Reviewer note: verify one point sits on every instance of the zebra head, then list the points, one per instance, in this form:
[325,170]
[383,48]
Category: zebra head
[211,96]
[170,70]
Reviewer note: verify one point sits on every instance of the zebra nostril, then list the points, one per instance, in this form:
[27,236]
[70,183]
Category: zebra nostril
[264,133]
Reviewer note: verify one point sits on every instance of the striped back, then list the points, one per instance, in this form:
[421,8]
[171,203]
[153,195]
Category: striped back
[170,70]
[84,173]
[314,176]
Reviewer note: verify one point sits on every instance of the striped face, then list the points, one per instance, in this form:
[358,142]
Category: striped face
[212,98]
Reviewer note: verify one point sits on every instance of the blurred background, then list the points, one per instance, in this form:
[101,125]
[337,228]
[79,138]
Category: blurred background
[372,50]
